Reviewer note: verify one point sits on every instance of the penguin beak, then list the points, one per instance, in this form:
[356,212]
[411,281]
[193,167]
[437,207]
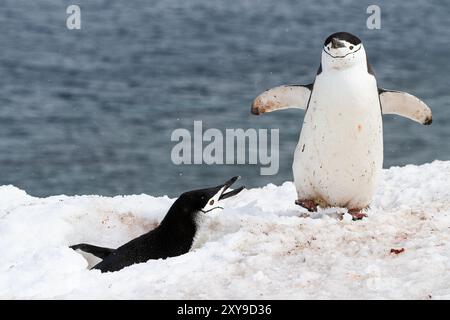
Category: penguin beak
[228,184]
[336,43]
[221,194]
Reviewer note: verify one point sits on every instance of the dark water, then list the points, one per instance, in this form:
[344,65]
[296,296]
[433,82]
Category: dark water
[91,111]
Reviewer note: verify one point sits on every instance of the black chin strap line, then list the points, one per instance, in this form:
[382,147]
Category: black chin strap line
[342,56]
[206,211]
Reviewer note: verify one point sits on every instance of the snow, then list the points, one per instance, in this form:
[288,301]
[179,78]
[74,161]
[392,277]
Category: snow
[257,248]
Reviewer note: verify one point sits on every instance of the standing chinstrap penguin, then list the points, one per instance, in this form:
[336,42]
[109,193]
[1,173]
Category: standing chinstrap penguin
[339,156]
[173,237]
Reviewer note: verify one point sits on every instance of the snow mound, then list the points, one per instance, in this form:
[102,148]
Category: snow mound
[258,247]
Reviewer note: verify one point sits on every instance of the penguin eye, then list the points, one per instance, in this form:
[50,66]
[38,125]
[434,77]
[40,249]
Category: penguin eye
[351,47]
[211,202]
[328,48]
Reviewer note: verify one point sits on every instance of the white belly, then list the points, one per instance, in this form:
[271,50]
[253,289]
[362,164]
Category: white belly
[340,152]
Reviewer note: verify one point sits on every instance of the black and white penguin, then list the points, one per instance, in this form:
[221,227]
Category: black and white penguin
[339,156]
[173,237]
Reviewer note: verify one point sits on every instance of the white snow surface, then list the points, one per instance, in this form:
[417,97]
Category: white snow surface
[257,248]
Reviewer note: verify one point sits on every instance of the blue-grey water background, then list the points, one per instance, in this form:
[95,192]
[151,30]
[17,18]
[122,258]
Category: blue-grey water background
[91,111]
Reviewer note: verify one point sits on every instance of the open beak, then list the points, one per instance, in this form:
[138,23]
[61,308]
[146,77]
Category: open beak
[228,184]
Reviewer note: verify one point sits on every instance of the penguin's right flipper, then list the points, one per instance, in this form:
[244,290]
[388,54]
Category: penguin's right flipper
[100,252]
[283,97]
[404,104]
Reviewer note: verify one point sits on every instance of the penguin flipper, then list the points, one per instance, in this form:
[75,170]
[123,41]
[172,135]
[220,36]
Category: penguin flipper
[282,97]
[100,252]
[405,105]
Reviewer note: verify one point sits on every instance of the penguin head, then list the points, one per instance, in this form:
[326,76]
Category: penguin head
[343,50]
[190,203]
[208,199]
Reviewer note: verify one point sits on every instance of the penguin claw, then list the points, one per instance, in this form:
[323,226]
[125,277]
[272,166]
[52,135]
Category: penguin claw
[357,215]
[309,205]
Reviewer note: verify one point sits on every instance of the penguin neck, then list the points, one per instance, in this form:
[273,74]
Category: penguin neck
[356,68]
[180,225]
[351,64]
[342,77]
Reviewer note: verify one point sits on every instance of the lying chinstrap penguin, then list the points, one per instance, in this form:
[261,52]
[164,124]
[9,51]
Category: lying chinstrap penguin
[173,237]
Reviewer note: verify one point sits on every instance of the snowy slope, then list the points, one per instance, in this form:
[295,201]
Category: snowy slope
[258,247]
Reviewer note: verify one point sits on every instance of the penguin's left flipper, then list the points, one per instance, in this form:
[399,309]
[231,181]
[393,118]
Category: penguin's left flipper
[100,252]
[406,105]
[282,97]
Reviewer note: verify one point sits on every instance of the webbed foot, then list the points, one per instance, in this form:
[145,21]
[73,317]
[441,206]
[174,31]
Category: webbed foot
[356,214]
[310,205]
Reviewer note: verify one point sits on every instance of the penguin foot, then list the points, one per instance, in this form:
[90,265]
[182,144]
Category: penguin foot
[356,214]
[310,205]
